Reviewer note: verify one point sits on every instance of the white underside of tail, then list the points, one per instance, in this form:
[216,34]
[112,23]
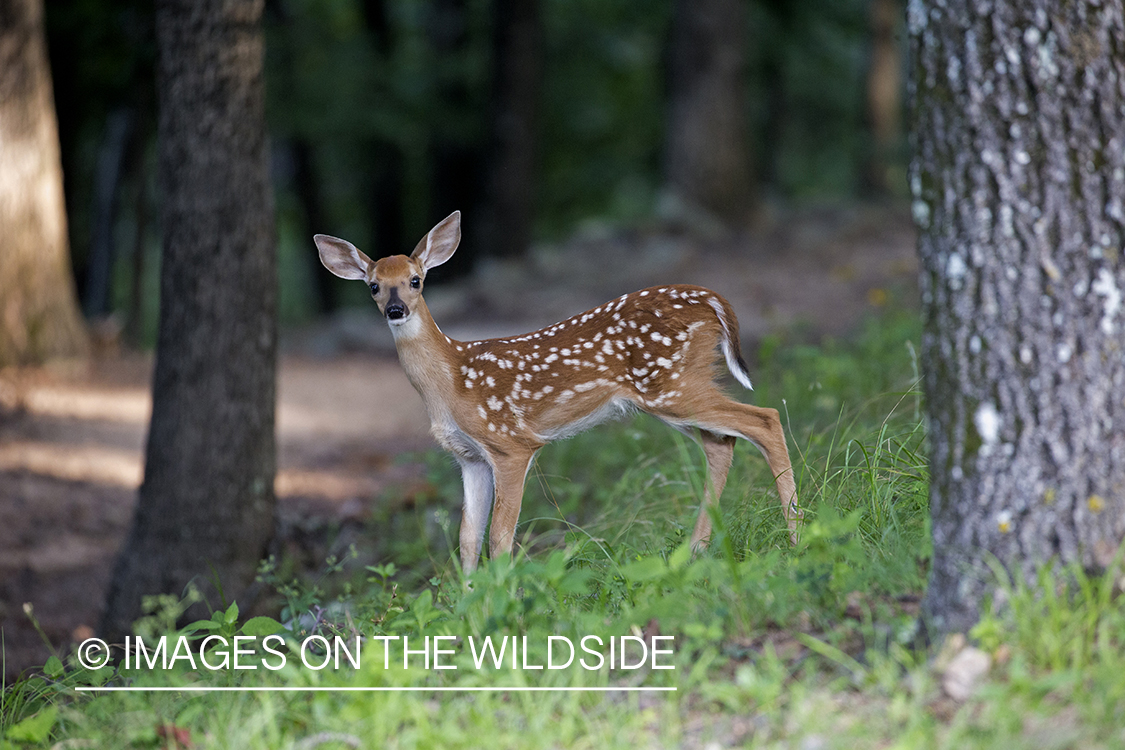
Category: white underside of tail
[728,351]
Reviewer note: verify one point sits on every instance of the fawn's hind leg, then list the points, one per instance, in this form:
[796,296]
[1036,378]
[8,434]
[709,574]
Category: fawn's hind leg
[719,450]
[762,427]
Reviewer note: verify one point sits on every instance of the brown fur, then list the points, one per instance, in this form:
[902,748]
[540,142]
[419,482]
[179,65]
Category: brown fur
[494,403]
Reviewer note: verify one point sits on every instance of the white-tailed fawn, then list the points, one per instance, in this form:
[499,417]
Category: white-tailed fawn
[494,403]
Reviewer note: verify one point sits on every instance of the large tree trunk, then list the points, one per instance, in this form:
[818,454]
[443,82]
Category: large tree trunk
[38,311]
[1018,181]
[206,506]
[706,158]
[509,191]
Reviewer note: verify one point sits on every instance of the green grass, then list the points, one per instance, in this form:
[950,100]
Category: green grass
[774,646]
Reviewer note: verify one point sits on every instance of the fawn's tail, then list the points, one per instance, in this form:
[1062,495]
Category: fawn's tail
[732,350]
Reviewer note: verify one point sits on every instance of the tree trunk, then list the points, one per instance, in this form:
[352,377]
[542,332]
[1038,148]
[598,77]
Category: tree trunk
[307,189]
[455,157]
[509,199]
[206,507]
[385,164]
[884,95]
[1018,180]
[38,310]
[706,158]
[112,153]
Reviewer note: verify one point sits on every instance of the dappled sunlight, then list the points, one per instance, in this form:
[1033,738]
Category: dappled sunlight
[79,401]
[75,463]
[83,430]
[123,468]
[352,398]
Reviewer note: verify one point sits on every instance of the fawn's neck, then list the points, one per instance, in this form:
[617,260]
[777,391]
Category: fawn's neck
[425,354]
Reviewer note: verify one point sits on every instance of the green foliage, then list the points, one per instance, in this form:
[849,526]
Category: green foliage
[773,645]
[34,729]
[1064,633]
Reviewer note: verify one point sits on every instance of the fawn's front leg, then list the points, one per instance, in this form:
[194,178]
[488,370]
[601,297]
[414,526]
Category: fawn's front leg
[510,471]
[477,479]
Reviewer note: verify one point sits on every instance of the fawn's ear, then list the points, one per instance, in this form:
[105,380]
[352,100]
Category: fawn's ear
[438,245]
[342,257]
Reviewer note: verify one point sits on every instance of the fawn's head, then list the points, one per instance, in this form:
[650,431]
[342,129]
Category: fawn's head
[396,281]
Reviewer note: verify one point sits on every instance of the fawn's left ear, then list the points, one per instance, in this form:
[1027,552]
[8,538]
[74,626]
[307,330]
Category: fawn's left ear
[438,245]
[342,257]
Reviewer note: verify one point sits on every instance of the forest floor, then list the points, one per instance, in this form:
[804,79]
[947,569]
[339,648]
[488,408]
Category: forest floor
[72,434]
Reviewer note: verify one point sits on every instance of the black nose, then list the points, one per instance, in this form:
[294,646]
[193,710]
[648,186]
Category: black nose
[395,310]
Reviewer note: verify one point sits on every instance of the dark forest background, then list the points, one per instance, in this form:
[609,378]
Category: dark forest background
[532,118]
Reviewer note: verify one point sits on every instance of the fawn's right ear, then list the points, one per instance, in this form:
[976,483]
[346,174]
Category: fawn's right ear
[439,243]
[342,257]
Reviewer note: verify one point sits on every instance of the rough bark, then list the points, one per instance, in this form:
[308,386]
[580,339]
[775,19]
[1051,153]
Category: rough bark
[38,309]
[206,506]
[1018,180]
[510,168]
[706,157]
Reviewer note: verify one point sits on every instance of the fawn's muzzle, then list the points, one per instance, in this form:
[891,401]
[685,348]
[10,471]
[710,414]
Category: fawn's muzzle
[396,308]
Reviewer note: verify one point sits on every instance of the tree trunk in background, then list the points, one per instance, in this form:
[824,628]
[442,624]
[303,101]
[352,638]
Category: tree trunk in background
[386,168]
[324,291]
[112,153]
[306,185]
[884,95]
[509,193]
[386,164]
[38,310]
[1019,195]
[706,158]
[206,507]
[455,157]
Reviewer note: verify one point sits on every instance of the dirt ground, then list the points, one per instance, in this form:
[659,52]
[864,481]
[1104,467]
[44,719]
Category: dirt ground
[72,434]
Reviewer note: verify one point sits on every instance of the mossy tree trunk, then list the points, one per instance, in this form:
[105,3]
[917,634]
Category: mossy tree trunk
[206,507]
[38,310]
[1018,182]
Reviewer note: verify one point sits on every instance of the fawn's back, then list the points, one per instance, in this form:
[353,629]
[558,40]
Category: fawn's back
[653,349]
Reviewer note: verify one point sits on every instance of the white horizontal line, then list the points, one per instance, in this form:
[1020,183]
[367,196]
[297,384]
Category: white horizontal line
[201,689]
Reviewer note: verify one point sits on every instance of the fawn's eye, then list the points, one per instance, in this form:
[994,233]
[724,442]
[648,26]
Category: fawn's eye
[415,283]
[374,289]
